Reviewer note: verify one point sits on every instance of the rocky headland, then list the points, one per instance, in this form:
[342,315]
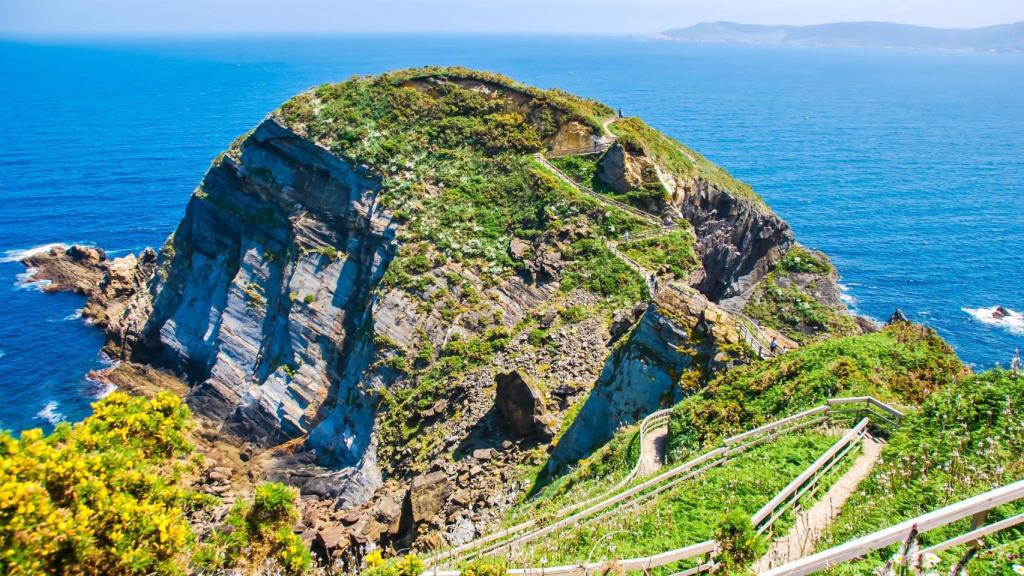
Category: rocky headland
[381,297]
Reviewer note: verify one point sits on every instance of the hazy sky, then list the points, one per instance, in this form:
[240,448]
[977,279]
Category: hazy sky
[173,17]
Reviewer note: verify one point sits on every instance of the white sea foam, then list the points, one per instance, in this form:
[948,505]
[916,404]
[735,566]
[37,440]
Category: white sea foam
[2,353]
[1013,323]
[844,295]
[101,389]
[25,281]
[74,315]
[50,413]
[19,255]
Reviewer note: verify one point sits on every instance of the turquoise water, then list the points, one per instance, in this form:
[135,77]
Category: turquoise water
[906,167]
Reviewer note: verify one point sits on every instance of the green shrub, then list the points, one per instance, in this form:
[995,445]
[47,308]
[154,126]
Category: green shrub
[484,568]
[537,336]
[309,298]
[902,363]
[801,260]
[574,314]
[964,440]
[257,531]
[594,268]
[739,542]
[674,251]
[375,565]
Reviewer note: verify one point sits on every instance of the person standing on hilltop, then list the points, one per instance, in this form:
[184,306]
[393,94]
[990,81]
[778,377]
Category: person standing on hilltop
[620,112]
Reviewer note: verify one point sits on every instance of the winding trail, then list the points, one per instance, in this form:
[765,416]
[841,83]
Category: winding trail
[605,125]
[653,452]
[811,523]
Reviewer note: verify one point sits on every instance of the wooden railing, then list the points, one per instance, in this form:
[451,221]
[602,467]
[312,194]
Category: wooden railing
[907,531]
[807,480]
[597,148]
[760,343]
[647,425]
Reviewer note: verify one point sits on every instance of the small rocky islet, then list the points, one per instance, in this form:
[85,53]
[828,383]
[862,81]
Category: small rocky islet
[415,296]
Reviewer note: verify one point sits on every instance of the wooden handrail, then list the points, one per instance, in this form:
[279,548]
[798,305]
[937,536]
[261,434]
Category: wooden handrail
[768,509]
[774,425]
[599,504]
[645,424]
[859,547]
[597,148]
[626,565]
[975,534]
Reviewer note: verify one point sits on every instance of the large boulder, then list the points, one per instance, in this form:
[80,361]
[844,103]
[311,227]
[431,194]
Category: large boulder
[620,170]
[522,407]
[427,495]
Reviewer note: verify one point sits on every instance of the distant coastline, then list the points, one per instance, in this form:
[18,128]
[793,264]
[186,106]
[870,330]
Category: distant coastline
[1000,38]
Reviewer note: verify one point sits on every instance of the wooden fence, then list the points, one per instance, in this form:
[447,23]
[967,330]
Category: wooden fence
[651,422]
[596,148]
[732,446]
[904,531]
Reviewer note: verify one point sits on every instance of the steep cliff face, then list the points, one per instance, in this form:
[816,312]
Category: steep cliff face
[680,339]
[738,237]
[263,298]
[738,241]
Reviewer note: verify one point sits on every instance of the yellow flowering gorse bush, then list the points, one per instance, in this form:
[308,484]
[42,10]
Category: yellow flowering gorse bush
[104,496]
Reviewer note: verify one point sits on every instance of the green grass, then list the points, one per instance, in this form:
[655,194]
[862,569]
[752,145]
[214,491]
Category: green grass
[583,169]
[799,259]
[687,513]
[675,157]
[594,268]
[674,251]
[793,311]
[964,440]
[902,363]
[592,477]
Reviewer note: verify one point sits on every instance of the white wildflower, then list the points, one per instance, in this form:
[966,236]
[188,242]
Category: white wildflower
[931,560]
[1018,569]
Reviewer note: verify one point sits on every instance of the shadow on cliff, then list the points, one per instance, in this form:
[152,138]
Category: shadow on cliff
[639,377]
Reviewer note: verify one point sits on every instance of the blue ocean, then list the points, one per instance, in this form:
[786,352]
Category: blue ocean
[907,168]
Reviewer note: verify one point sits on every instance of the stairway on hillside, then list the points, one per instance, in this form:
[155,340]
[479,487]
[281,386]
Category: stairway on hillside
[811,523]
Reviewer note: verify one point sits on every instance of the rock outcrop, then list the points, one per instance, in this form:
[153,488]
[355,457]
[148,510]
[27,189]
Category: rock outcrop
[623,171]
[681,338]
[77,269]
[522,407]
[739,240]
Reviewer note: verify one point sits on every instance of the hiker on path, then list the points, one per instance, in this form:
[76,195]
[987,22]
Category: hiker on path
[620,112]
[774,346]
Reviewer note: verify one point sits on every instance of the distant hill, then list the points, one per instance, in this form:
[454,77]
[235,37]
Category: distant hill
[1002,38]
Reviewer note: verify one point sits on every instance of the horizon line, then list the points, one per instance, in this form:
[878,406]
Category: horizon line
[230,34]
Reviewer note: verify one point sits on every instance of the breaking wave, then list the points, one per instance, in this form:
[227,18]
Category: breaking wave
[50,413]
[1012,323]
[25,281]
[19,255]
